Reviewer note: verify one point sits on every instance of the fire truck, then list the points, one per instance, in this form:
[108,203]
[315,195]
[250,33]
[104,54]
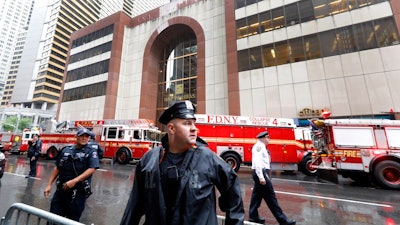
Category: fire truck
[364,150]
[9,140]
[232,138]
[122,140]
[127,140]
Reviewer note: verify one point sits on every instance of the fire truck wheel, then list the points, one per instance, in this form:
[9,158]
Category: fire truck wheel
[123,156]
[51,153]
[232,160]
[305,166]
[387,174]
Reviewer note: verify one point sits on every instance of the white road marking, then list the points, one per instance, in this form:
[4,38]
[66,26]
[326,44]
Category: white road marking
[335,199]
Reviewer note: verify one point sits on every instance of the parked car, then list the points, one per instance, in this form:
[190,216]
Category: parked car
[2,164]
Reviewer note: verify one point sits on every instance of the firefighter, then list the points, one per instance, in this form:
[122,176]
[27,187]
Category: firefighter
[74,168]
[175,183]
[263,188]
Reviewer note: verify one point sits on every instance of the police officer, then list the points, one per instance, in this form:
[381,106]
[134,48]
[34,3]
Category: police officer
[74,168]
[263,188]
[176,183]
[35,147]
[93,144]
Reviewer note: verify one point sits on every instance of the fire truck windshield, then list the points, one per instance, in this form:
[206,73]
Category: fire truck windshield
[152,135]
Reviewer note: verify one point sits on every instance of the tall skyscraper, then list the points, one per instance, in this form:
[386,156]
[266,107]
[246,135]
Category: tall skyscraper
[42,64]
[14,17]
[43,61]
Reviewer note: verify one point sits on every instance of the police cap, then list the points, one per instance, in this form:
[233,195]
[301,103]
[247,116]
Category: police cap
[181,109]
[263,134]
[83,131]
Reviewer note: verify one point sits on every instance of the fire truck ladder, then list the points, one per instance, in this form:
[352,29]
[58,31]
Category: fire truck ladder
[20,213]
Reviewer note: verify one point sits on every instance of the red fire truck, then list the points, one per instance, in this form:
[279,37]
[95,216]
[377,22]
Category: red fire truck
[127,140]
[365,150]
[122,140]
[9,140]
[232,138]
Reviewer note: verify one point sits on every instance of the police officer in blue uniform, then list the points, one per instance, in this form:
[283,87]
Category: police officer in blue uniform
[263,188]
[93,144]
[73,171]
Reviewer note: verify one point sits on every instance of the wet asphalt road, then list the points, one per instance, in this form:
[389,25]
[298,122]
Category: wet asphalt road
[302,198]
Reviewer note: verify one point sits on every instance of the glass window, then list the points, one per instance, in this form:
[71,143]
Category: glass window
[386,32]
[364,36]
[353,4]
[255,58]
[265,21]
[243,60]
[321,8]
[328,44]
[362,3]
[296,50]
[306,11]
[338,6]
[253,24]
[268,55]
[311,47]
[249,2]
[292,14]
[345,40]
[241,28]
[278,19]
[240,3]
[177,80]
[282,53]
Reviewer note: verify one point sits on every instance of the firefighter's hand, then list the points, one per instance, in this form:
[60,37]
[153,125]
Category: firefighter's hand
[47,191]
[33,158]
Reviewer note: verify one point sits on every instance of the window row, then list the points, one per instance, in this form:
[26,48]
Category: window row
[363,36]
[93,36]
[106,47]
[88,71]
[88,91]
[295,13]
[244,3]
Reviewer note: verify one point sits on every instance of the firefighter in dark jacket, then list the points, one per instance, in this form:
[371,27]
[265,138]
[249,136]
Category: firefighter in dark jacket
[175,183]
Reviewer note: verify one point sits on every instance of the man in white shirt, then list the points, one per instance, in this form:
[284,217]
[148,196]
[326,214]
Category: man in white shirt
[263,188]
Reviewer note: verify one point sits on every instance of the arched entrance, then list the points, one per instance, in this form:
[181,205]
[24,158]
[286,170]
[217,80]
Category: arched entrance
[173,68]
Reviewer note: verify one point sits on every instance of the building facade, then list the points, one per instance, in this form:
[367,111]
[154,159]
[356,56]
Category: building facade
[270,58]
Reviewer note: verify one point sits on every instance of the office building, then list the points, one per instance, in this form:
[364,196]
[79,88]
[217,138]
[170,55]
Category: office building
[273,58]
[14,18]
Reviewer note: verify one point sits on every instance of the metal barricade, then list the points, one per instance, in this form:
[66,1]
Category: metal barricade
[20,214]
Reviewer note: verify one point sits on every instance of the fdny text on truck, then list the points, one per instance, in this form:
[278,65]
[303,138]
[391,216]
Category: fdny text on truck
[365,150]
[232,138]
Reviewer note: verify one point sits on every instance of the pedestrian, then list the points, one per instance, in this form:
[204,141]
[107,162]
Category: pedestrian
[93,144]
[175,183]
[34,149]
[263,188]
[73,171]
